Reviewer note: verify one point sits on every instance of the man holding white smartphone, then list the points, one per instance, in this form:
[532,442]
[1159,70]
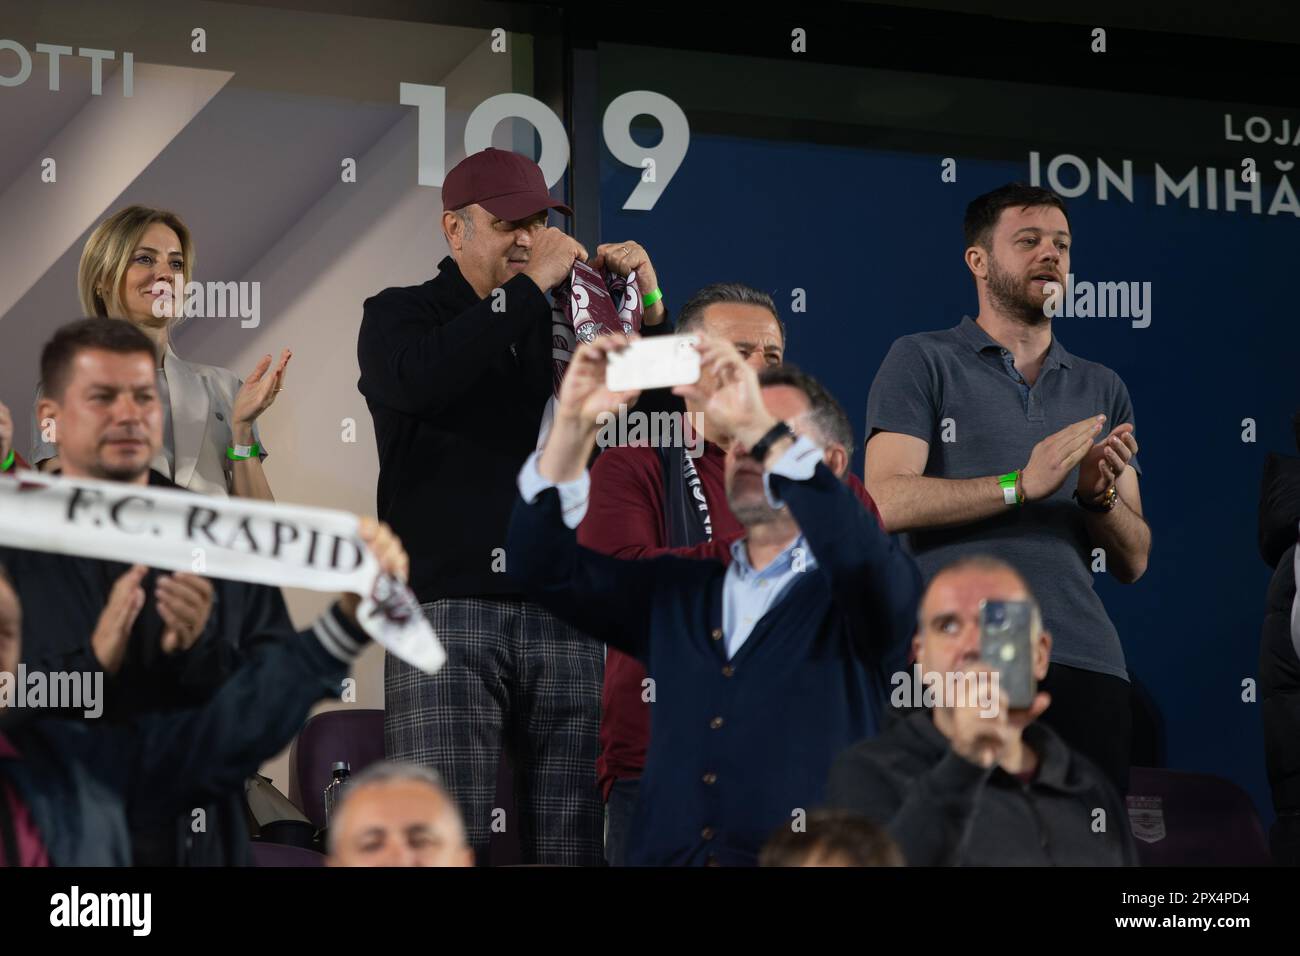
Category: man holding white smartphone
[972,782]
[650,501]
[765,667]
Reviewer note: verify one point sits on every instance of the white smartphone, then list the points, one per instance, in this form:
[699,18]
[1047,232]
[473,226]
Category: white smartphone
[654,363]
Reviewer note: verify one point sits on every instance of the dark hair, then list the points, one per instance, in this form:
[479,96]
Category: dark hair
[110,335]
[692,313]
[832,833]
[984,211]
[826,414]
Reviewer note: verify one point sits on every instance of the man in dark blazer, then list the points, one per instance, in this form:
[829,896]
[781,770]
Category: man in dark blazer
[760,671]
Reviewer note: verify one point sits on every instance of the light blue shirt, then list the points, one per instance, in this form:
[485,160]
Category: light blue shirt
[746,594]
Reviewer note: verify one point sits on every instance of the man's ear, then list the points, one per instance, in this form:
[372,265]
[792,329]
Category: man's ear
[1042,655]
[452,230]
[47,408]
[977,260]
[836,457]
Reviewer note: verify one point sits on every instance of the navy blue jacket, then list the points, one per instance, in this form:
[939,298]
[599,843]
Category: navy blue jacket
[737,748]
[87,782]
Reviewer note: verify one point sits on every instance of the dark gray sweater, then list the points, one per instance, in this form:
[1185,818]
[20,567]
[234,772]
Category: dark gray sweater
[944,810]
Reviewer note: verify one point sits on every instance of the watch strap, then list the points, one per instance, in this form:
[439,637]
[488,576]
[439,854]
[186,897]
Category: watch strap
[764,445]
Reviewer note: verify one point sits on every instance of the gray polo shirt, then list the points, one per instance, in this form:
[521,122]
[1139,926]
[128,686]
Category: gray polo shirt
[958,384]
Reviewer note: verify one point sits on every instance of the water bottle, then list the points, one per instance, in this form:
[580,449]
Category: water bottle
[340,772]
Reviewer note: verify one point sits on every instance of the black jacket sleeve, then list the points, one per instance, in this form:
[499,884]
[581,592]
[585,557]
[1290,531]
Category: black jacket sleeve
[187,757]
[417,363]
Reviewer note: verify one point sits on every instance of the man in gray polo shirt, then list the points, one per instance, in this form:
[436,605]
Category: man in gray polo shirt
[991,437]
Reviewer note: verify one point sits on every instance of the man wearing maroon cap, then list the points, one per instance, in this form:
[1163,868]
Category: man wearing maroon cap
[457,373]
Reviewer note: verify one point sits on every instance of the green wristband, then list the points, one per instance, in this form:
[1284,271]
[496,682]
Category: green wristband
[1007,483]
[650,298]
[9,461]
[253,449]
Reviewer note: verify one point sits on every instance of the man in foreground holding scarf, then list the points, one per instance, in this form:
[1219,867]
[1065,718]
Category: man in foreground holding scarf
[187,633]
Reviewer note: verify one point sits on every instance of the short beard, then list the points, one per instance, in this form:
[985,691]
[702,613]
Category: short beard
[119,474]
[754,514]
[1011,298]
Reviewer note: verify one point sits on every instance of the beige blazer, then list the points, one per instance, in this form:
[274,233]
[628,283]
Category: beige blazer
[202,397]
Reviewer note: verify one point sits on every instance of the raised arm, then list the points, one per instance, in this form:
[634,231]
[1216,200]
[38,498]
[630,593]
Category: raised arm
[595,593]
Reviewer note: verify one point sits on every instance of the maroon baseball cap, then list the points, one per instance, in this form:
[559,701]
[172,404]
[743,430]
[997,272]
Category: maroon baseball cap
[508,185]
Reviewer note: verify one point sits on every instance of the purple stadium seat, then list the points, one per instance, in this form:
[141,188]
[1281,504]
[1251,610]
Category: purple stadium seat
[1193,819]
[354,735]
[278,854]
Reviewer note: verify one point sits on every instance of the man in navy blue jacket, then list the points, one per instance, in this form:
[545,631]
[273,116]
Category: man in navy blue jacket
[759,672]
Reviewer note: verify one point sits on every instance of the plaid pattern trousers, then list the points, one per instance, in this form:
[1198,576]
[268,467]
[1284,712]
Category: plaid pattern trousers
[515,673]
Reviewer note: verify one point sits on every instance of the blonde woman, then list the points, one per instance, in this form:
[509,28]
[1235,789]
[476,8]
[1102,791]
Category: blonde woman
[210,439]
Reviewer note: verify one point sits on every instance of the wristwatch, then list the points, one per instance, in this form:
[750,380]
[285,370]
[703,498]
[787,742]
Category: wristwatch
[764,445]
[1109,498]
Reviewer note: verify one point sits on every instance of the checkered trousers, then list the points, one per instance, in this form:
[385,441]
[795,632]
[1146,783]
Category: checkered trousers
[514,672]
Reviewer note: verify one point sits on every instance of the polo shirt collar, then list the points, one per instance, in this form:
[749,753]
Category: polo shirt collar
[980,341]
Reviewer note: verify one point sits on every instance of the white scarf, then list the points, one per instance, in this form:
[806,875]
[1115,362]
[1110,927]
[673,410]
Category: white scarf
[238,539]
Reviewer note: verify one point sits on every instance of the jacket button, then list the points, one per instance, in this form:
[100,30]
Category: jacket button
[728,670]
[710,778]
[717,634]
[707,834]
[715,723]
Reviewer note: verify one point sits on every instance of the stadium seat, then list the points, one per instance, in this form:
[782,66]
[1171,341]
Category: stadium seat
[354,735]
[1193,819]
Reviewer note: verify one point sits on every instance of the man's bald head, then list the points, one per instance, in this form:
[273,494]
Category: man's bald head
[395,814]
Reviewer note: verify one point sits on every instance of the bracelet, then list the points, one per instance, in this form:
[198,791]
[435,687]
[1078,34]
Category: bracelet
[243,452]
[650,298]
[1008,483]
[9,460]
[1109,498]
